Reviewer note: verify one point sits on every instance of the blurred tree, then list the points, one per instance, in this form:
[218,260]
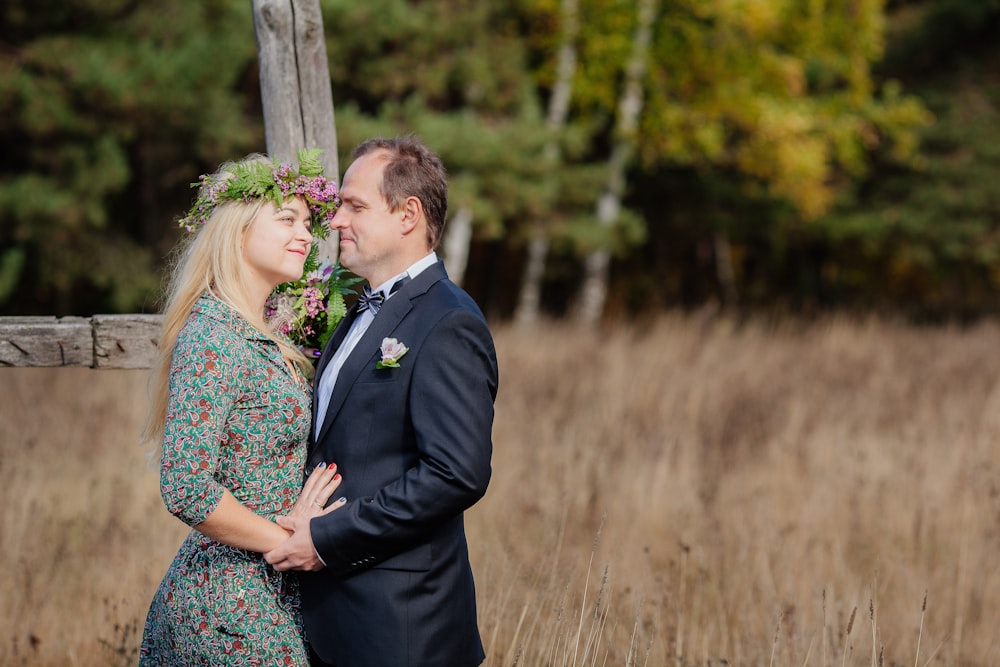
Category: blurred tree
[775,97]
[111,108]
[780,90]
[529,294]
[451,53]
[926,238]
[594,288]
[774,155]
[456,73]
[779,94]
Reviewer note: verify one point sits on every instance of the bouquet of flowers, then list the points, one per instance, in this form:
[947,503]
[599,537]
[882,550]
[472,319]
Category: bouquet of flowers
[309,309]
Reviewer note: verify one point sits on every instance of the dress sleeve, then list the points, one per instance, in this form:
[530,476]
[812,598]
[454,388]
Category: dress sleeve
[201,396]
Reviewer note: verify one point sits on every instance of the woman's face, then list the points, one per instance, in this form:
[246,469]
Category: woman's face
[277,243]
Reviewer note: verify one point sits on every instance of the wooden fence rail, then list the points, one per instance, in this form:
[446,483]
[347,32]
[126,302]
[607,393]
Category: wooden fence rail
[101,341]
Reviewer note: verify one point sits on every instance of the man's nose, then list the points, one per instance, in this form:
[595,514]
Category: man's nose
[339,220]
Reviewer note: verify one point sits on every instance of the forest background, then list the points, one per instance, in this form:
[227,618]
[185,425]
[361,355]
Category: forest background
[806,485]
[774,156]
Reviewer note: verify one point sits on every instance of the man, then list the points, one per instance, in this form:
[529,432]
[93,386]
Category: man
[408,423]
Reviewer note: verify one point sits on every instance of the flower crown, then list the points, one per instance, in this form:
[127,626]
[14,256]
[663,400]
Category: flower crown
[306,310]
[260,179]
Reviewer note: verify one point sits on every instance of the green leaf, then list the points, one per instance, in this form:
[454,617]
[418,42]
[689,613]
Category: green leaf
[309,164]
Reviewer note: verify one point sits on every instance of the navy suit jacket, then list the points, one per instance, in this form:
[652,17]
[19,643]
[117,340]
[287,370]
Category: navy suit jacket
[414,445]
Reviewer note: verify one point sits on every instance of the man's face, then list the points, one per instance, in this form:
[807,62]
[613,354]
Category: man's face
[370,233]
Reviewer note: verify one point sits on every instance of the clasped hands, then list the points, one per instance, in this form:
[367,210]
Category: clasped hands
[298,552]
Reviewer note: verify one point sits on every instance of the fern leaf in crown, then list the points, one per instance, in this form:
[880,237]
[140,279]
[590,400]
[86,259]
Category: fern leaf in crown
[267,180]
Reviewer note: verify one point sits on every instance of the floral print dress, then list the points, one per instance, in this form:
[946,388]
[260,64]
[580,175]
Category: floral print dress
[237,419]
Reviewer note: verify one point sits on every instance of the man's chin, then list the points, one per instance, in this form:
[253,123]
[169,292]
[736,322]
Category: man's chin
[347,258]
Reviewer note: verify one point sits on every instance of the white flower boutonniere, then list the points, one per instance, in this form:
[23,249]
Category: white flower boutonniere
[392,351]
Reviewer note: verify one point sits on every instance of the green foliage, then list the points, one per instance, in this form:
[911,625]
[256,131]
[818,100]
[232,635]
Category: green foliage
[929,236]
[456,74]
[342,283]
[110,108]
[452,53]
[11,265]
[309,162]
[256,180]
[792,127]
[780,91]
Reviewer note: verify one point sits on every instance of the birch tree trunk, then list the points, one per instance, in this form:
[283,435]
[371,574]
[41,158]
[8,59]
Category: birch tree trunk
[724,270]
[456,244]
[529,298]
[593,292]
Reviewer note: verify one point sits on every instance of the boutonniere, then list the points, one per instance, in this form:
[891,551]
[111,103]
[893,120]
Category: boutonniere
[392,351]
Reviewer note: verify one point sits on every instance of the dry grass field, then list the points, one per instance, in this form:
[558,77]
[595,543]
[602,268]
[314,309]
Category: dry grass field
[674,493]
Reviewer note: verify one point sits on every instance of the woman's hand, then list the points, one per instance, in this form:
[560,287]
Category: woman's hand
[320,485]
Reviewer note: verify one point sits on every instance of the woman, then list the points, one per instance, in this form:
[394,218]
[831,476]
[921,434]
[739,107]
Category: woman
[231,407]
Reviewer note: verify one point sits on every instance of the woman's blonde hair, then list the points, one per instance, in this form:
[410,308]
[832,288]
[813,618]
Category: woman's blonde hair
[209,261]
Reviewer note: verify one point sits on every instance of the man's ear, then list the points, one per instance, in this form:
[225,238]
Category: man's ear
[413,213]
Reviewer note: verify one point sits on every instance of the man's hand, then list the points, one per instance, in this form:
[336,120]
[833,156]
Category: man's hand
[298,552]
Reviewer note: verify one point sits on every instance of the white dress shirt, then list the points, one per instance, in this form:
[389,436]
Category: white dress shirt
[326,382]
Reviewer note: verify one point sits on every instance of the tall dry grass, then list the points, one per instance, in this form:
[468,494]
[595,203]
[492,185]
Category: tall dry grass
[671,493]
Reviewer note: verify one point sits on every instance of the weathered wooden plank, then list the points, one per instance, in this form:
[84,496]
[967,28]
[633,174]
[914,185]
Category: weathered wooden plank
[125,341]
[46,341]
[101,341]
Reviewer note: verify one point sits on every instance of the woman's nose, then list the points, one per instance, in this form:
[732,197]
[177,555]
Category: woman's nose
[305,233]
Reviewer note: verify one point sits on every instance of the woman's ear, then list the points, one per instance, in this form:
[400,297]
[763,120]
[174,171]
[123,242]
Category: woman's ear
[413,212]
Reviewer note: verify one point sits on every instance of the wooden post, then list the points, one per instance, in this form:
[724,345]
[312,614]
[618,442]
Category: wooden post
[295,86]
[295,80]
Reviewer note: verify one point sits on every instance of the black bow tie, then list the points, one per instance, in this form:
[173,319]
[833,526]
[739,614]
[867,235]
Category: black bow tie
[370,300]
[373,300]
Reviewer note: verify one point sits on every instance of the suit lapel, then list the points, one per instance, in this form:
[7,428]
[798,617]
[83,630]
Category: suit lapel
[364,353]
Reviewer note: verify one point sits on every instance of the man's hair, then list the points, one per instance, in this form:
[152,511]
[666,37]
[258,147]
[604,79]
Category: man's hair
[412,170]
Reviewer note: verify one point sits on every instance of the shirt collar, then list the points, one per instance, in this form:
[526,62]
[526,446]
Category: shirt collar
[415,269]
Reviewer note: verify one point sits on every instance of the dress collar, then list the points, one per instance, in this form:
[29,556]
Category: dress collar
[214,308]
